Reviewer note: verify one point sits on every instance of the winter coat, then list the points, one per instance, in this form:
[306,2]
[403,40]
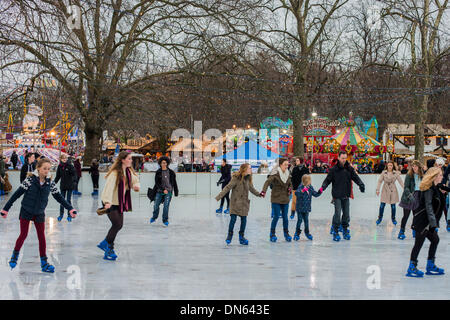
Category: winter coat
[66,172]
[25,169]
[427,216]
[389,193]
[93,170]
[446,179]
[280,190]
[304,199]
[225,178]
[77,165]
[239,201]
[409,188]
[172,178]
[35,199]
[297,173]
[2,168]
[110,193]
[341,177]
[14,158]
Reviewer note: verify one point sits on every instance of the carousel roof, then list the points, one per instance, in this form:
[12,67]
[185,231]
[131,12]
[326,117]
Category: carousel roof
[351,135]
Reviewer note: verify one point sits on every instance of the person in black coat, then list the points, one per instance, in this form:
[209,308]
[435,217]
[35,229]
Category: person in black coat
[14,159]
[225,178]
[95,174]
[28,167]
[67,174]
[341,177]
[165,186]
[426,221]
[298,172]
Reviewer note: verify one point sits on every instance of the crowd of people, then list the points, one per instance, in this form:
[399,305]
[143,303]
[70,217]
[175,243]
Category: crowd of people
[425,194]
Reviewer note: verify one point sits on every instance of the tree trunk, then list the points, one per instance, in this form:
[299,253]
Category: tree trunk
[92,150]
[421,120]
[297,122]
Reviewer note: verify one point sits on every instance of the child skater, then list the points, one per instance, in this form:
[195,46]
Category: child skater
[36,190]
[304,195]
[240,184]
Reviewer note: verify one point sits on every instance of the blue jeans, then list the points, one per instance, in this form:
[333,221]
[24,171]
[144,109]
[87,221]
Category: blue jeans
[66,194]
[382,205]
[158,200]
[344,206]
[233,221]
[277,208]
[302,216]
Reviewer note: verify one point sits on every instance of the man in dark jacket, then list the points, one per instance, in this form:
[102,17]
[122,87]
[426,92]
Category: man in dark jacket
[77,165]
[225,179]
[341,176]
[14,159]
[165,185]
[298,172]
[380,167]
[67,174]
[28,167]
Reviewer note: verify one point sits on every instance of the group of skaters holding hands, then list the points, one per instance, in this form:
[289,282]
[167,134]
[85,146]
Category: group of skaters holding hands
[424,195]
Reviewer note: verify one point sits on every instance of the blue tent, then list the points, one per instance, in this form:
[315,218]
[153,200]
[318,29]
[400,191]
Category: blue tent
[249,152]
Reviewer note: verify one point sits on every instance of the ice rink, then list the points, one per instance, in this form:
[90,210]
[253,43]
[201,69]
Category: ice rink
[190,259]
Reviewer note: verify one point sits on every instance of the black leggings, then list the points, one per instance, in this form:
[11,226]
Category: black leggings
[406,214]
[116,219]
[95,181]
[222,201]
[420,239]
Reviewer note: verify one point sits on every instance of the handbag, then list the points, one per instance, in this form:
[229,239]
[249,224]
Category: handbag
[151,194]
[7,187]
[413,203]
[101,211]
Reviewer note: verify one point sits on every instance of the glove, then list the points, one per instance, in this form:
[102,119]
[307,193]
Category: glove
[304,189]
[73,213]
[262,194]
[362,188]
[4,213]
[289,190]
[321,190]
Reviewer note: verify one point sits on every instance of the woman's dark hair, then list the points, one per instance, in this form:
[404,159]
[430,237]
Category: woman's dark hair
[281,160]
[164,158]
[224,160]
[342,152]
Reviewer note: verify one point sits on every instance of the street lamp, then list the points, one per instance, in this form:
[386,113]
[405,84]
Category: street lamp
[314,114]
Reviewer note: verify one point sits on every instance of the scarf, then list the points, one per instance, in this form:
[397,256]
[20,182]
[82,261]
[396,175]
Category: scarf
[125,202]
[284,176]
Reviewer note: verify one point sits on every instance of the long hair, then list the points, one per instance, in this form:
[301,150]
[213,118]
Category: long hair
[117,166]
[240,174]
[411,170]
[394,166]
[429,177]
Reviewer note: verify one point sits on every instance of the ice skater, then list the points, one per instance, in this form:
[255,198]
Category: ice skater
[389,193]
[95,175]
[297,173]
[36,190]
[410,194]
[240,185]
[67,174]
[426,221]
[116,197]
[225,178]
[341,177]
[304,194]
[165,185]
[281,190]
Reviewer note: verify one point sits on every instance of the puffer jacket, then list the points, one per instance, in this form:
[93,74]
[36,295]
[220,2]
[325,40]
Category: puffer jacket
[304,199]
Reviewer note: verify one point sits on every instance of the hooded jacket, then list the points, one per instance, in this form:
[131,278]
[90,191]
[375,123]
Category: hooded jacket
[280,190]
[239,201]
